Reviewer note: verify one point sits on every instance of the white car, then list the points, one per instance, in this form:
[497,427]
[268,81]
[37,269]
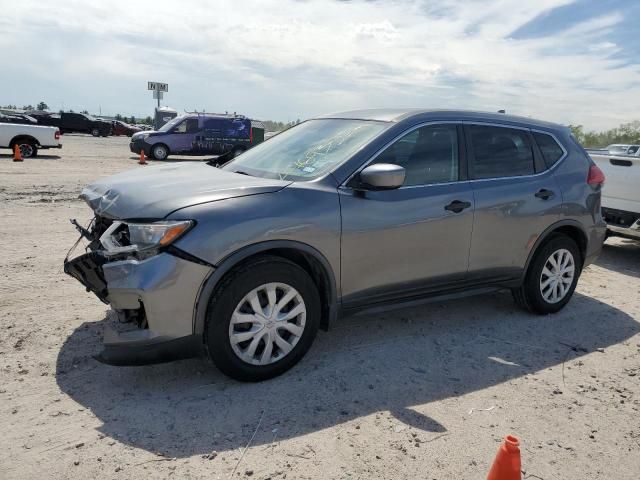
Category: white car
[29,138]
[622,149]
[621,193]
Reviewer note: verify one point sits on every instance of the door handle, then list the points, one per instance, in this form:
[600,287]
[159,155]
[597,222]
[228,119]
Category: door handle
[545,194]
[457,206]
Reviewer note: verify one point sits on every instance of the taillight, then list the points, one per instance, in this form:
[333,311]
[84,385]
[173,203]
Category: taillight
[57,135]
[250,134]
[596,176]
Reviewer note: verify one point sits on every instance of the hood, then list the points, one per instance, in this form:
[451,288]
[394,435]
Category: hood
[155,192]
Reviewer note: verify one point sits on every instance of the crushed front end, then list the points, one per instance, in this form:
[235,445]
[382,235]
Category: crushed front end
[151,285]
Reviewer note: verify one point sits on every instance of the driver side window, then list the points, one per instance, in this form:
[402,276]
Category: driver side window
[428,154]
[190,125]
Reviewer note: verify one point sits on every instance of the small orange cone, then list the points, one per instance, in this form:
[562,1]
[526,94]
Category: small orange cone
[506,465]
[17,154]
[142,160]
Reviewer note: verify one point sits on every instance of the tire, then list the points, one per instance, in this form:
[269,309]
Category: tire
[230,300]
[28,149]
[159,152]
[95,132]
[538,293]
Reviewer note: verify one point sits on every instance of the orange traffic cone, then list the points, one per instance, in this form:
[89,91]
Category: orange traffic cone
[506,465]
[17,154]
[142,160]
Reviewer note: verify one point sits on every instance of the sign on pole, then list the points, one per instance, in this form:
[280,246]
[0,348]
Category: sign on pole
[160,87]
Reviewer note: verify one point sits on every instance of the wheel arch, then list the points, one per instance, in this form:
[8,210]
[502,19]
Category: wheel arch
[570,228]
[305,256]
[23,137]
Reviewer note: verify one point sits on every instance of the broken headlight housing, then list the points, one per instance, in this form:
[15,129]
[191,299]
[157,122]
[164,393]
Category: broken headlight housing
[134,237]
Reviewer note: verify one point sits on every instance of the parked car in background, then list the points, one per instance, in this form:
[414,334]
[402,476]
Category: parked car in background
[621,195]
[18,118]
[69,122]
[342,213]
[199,134]
[622,149]
[29,138]
[119,127]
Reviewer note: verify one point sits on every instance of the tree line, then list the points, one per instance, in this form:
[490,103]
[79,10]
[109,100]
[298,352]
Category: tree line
[625,133]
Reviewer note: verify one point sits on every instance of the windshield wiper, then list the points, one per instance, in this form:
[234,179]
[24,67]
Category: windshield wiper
[242,173]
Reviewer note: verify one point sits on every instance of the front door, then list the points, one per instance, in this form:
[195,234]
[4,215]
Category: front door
[182,138]
[405,242]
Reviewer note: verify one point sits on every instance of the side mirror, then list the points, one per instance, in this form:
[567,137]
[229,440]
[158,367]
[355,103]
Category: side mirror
[382,176]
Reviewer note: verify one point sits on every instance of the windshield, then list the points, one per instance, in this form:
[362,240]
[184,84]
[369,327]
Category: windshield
[169,125]
[307,150]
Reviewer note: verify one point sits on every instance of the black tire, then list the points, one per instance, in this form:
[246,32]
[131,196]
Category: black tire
[529,295]
[156,149]
[28,148]
[229,294]
[95,132]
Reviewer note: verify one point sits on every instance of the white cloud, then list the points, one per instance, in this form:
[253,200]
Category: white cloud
[285,59]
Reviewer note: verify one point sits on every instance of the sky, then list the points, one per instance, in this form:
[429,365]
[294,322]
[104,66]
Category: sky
[568,61]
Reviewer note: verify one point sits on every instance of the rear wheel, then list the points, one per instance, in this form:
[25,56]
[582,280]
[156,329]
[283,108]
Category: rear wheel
[552,276]
[262,320]
[159,152]
[28,148]
[95,132]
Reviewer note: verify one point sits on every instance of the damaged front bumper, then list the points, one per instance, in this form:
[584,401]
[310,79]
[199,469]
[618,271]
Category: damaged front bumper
[158,293]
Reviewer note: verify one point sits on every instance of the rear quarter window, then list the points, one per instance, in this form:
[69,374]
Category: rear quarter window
[550,149]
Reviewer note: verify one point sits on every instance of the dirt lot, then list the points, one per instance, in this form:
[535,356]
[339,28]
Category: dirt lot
[418,393]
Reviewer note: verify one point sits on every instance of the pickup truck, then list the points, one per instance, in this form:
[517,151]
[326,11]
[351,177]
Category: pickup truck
[70,122]
[30,138]
[621,193]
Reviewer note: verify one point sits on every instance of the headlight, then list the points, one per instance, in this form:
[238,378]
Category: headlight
[122,237]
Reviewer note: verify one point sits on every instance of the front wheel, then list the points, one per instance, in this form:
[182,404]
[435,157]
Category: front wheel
[262,320]
[95,132]
[159,152]
[551,278]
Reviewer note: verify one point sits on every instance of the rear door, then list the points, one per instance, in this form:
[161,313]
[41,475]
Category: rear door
[516,199]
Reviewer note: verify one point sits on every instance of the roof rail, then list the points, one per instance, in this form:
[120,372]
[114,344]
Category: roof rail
[225,114]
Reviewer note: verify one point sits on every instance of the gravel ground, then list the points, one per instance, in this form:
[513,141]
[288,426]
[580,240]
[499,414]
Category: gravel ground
[424,393]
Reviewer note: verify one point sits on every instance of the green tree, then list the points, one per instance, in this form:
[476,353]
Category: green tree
[118,117]
[42,106]
[133,120]
[148,120]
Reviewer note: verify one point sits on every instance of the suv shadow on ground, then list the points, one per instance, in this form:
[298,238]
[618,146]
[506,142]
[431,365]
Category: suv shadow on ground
[621,255]
[365,364]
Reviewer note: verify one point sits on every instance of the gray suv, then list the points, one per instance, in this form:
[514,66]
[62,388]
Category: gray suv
[352,211]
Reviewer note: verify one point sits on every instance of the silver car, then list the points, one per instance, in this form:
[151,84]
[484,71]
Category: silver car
[352,211]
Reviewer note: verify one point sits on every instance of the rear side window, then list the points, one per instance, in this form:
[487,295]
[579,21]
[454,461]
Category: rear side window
[551,151]
[500,152]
